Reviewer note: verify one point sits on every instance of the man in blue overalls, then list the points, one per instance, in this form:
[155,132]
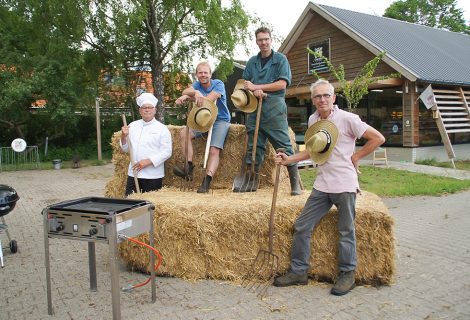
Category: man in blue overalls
[269,73]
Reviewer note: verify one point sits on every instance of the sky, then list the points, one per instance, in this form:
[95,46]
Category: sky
[283,15]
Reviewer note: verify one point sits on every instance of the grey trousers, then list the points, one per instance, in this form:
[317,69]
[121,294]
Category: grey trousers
[316,207]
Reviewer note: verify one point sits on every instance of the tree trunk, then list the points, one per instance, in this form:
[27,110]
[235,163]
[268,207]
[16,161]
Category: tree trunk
[158,89]
[156,61]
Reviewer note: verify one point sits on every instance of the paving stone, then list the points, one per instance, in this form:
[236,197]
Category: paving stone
[432,279]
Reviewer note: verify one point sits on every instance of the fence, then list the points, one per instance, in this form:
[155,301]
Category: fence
[12,160]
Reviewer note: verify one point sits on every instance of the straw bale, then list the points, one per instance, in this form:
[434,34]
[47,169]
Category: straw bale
[229,167]
[218,235]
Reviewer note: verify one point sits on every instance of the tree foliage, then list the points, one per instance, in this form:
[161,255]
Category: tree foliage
[442,14]
[60,51]
[162,35]
[354,90]
[36,63]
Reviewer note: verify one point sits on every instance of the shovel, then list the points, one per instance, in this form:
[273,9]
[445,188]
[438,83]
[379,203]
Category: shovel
[206,153]
[246,181]
[266,263]
[136,181]
[239,178]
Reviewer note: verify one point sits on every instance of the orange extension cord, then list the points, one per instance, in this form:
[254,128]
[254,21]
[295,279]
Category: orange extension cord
[157,265]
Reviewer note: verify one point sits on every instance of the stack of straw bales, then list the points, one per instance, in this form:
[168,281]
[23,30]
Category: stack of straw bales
[230,162]
[218,235]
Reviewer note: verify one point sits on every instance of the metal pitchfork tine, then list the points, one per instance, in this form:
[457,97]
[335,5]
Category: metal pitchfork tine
[252,174]
[187,184]
[266,264]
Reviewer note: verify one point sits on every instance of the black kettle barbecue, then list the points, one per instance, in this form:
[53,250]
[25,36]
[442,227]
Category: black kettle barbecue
[8,199]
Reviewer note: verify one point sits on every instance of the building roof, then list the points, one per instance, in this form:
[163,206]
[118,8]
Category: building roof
[418,52]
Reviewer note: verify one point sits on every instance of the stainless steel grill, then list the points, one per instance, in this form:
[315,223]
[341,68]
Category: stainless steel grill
[95,219]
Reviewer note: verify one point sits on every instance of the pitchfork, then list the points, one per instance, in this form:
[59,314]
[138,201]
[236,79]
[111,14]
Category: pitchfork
[253,176]
[248,181]
[266,263]
[136,180]
[187,184]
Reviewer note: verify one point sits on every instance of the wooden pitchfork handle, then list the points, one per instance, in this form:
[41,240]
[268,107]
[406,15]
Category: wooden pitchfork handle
[136,181]
[255,136]
[273,204]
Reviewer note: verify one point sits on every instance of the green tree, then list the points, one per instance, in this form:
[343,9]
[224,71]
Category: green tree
[442,14]
[36,63]
[160,35]
[354,90]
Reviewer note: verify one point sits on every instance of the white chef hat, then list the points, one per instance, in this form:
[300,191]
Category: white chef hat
[146,98]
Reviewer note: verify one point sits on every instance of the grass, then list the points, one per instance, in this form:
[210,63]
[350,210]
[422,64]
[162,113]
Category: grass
[460,164]
[394,183]
[49,166]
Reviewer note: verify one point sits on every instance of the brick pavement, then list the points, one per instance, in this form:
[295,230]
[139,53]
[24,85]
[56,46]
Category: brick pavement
[432,278]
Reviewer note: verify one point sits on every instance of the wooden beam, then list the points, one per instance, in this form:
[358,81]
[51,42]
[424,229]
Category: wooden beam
[462,94]
[303,92]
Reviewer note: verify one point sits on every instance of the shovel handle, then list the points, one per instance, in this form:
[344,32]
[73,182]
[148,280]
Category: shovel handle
[186,142]
[273,204]
[255,137]
[208,145]
[136,181]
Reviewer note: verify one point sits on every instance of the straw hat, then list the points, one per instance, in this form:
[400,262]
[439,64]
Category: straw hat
[202,118]
[243,99]
[320,140]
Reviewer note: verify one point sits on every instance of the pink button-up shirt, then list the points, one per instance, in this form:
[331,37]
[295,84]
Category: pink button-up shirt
[338,174]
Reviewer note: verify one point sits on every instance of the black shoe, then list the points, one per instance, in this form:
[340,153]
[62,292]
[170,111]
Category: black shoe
[291,279]
[346,282]
[186,174]
[205,186]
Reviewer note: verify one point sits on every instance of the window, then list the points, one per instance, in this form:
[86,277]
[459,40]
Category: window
[383,110]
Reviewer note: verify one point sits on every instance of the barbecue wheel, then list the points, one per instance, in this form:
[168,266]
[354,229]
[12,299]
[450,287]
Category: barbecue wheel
[13,246]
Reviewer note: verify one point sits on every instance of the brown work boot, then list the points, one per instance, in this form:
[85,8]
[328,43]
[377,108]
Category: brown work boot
[291,279]
[185,174]
[345,283]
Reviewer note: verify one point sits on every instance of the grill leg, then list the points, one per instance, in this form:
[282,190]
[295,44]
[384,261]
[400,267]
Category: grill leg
[1,254]
[92,265]
[152,256]
[47,264]
[6,230]
[113,265]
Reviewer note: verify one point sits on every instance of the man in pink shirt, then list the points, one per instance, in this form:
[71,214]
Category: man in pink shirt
[336,184]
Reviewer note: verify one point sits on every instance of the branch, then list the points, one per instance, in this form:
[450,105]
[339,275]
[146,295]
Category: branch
[173,34]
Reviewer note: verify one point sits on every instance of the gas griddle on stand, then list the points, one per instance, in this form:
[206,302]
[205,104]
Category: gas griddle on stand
[105,220]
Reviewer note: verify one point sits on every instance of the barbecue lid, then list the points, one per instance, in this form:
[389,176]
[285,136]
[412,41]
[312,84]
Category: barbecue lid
[8,195]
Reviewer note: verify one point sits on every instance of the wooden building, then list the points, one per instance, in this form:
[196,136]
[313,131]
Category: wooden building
[422,55]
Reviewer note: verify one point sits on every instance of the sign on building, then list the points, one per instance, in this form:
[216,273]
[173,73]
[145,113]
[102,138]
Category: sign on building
[318,64]
[428,98]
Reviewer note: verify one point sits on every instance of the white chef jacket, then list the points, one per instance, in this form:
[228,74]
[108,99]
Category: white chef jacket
[149,140]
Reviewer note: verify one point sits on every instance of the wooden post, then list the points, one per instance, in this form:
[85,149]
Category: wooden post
[98,127]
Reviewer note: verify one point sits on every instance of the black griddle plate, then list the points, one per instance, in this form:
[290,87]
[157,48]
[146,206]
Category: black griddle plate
[98,205]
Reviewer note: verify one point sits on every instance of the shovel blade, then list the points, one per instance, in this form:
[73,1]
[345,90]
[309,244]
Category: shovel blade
[238,182]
